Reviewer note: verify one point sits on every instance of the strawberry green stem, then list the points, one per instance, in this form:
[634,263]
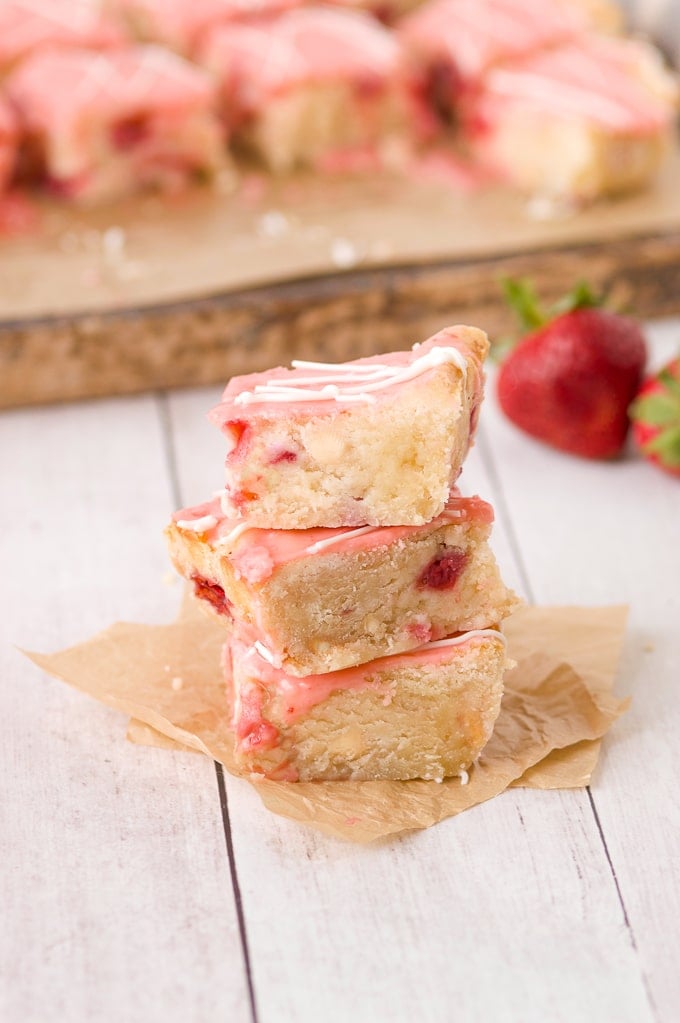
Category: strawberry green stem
[521,297]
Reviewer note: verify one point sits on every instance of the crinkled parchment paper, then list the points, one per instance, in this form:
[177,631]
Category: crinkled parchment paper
[557,706]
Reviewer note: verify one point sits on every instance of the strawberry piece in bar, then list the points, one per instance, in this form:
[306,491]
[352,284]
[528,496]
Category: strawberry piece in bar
[104,125]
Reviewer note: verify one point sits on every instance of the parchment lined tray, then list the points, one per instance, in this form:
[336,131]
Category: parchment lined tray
[157,292]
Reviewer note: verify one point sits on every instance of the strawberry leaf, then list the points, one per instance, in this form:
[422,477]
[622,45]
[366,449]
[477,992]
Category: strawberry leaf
[670,380]
[581,296]
[656,409]
[667,446]
[521,297]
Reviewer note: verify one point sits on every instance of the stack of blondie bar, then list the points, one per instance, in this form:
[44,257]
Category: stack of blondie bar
[360,598]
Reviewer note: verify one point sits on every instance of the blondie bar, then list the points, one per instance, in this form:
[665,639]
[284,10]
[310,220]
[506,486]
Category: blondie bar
[103,125]
[314,87]
[324,599]
[378,441]
[590,117]
[423,714]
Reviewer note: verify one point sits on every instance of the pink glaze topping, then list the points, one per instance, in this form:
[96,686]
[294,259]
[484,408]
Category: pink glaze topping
[321,388]
[474,35]
[252,730]
[56,89]
[616,83]
[30,25]
[299,695]
[314,44]
[257,553]
[182,22]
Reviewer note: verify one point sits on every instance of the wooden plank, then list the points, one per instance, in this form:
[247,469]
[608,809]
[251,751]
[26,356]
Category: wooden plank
[505,913]
[208,339]
[508,912]
[600,533]
[117,899]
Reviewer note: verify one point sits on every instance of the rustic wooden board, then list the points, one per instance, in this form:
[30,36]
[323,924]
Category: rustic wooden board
[151,294]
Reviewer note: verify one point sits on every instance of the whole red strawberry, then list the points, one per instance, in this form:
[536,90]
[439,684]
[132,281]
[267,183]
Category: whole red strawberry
[569,383]
[656,418]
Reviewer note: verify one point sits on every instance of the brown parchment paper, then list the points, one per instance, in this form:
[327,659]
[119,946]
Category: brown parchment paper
[149,250]
[557,706]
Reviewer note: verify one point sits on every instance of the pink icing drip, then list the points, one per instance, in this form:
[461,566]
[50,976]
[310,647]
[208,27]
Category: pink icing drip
[340,44]
[61,87]
[198,511]
[252,731]
[182,22]
[593,78]
[257,553]
[30,25]
[229,410]
[259,60]
[475,35]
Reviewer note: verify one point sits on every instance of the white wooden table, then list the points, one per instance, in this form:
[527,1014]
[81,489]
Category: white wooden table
[141,885]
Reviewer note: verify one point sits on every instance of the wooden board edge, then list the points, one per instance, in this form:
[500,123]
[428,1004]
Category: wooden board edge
[207,340]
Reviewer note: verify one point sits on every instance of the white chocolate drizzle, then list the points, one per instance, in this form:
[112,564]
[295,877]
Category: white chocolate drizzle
[450,515]
[233,535]
[201,525]
[464,637]
[265,654]
[321,545]
[347,382]
[259,648]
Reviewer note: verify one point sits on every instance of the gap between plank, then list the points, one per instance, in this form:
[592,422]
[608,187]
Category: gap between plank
[224,804]
[500,500]
[170,452]
[626,920]
[169,446]
[490,467]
